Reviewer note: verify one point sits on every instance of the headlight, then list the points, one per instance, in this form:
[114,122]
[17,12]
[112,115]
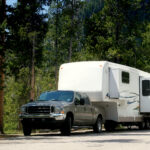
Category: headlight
[59,110]
[23,109]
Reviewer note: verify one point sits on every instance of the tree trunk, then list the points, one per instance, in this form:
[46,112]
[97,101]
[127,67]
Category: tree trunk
[2,77]
[2,52]
[56,46]
[32,92]
[117,30]
[70,49]
[72,26]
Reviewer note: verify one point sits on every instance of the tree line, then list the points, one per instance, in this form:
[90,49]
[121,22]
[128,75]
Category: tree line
[37,36]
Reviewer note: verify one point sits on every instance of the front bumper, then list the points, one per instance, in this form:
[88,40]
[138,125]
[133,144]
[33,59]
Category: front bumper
[42,116]
[43,121]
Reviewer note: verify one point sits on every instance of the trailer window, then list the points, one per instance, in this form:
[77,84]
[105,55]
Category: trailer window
[125,77]
[146,87]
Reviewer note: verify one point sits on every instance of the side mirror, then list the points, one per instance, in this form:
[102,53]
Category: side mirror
[77,102]
[82,101]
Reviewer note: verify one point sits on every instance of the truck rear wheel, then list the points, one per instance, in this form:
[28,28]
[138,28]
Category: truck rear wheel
[97,128]
[66,129]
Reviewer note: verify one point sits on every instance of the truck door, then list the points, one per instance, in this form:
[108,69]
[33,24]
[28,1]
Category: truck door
[79,113]
[88,111]
[144,95]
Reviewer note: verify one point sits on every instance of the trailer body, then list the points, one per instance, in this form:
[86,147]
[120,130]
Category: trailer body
[121,92]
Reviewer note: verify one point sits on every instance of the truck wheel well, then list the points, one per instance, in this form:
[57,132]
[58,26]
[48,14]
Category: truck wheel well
[70,114]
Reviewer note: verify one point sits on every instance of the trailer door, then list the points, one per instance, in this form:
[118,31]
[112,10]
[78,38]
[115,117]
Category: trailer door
[144,95]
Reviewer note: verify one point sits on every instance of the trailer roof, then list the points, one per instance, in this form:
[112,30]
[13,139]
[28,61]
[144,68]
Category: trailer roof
[103,63]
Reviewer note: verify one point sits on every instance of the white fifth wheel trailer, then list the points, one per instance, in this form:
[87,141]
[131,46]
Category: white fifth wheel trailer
[121,93]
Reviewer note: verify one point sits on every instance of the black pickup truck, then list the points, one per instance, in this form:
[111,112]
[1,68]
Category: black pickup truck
[60,110]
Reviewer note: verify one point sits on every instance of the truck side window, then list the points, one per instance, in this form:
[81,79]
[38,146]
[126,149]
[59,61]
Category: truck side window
[125,77]
[77,98]
[146,87]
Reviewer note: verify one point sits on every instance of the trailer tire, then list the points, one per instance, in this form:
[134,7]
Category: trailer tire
[141,125]
[97,128]
[147,124]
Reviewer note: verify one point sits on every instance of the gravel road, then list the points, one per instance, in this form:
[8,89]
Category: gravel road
[81,140]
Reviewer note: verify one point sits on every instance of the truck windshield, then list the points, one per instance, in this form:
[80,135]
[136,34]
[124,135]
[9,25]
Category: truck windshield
[57,96]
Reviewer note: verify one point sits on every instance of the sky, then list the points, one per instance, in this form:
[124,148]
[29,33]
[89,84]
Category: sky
[11,2]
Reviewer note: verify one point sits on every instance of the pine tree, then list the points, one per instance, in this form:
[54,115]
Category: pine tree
[113,32]
[28,27]
[2,58]
[64,31]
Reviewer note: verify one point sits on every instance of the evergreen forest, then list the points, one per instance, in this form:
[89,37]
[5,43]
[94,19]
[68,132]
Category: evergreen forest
[37,36]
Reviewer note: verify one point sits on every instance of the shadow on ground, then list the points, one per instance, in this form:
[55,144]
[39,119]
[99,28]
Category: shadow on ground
[80,133]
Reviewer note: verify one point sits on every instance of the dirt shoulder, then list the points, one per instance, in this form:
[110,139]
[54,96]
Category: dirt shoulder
[2,136]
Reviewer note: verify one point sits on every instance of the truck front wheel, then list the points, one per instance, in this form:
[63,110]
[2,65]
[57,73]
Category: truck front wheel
[97,128]
[26,130]
[66,128]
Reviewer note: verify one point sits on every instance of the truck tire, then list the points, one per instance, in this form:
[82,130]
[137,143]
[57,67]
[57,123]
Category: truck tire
[97,128]
[66,129]
[26,130]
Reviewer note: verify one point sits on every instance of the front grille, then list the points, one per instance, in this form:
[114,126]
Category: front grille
[38,109]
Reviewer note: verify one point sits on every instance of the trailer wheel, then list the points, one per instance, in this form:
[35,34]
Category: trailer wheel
[97,128]
[147,124]
[141,125]
[66,129]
